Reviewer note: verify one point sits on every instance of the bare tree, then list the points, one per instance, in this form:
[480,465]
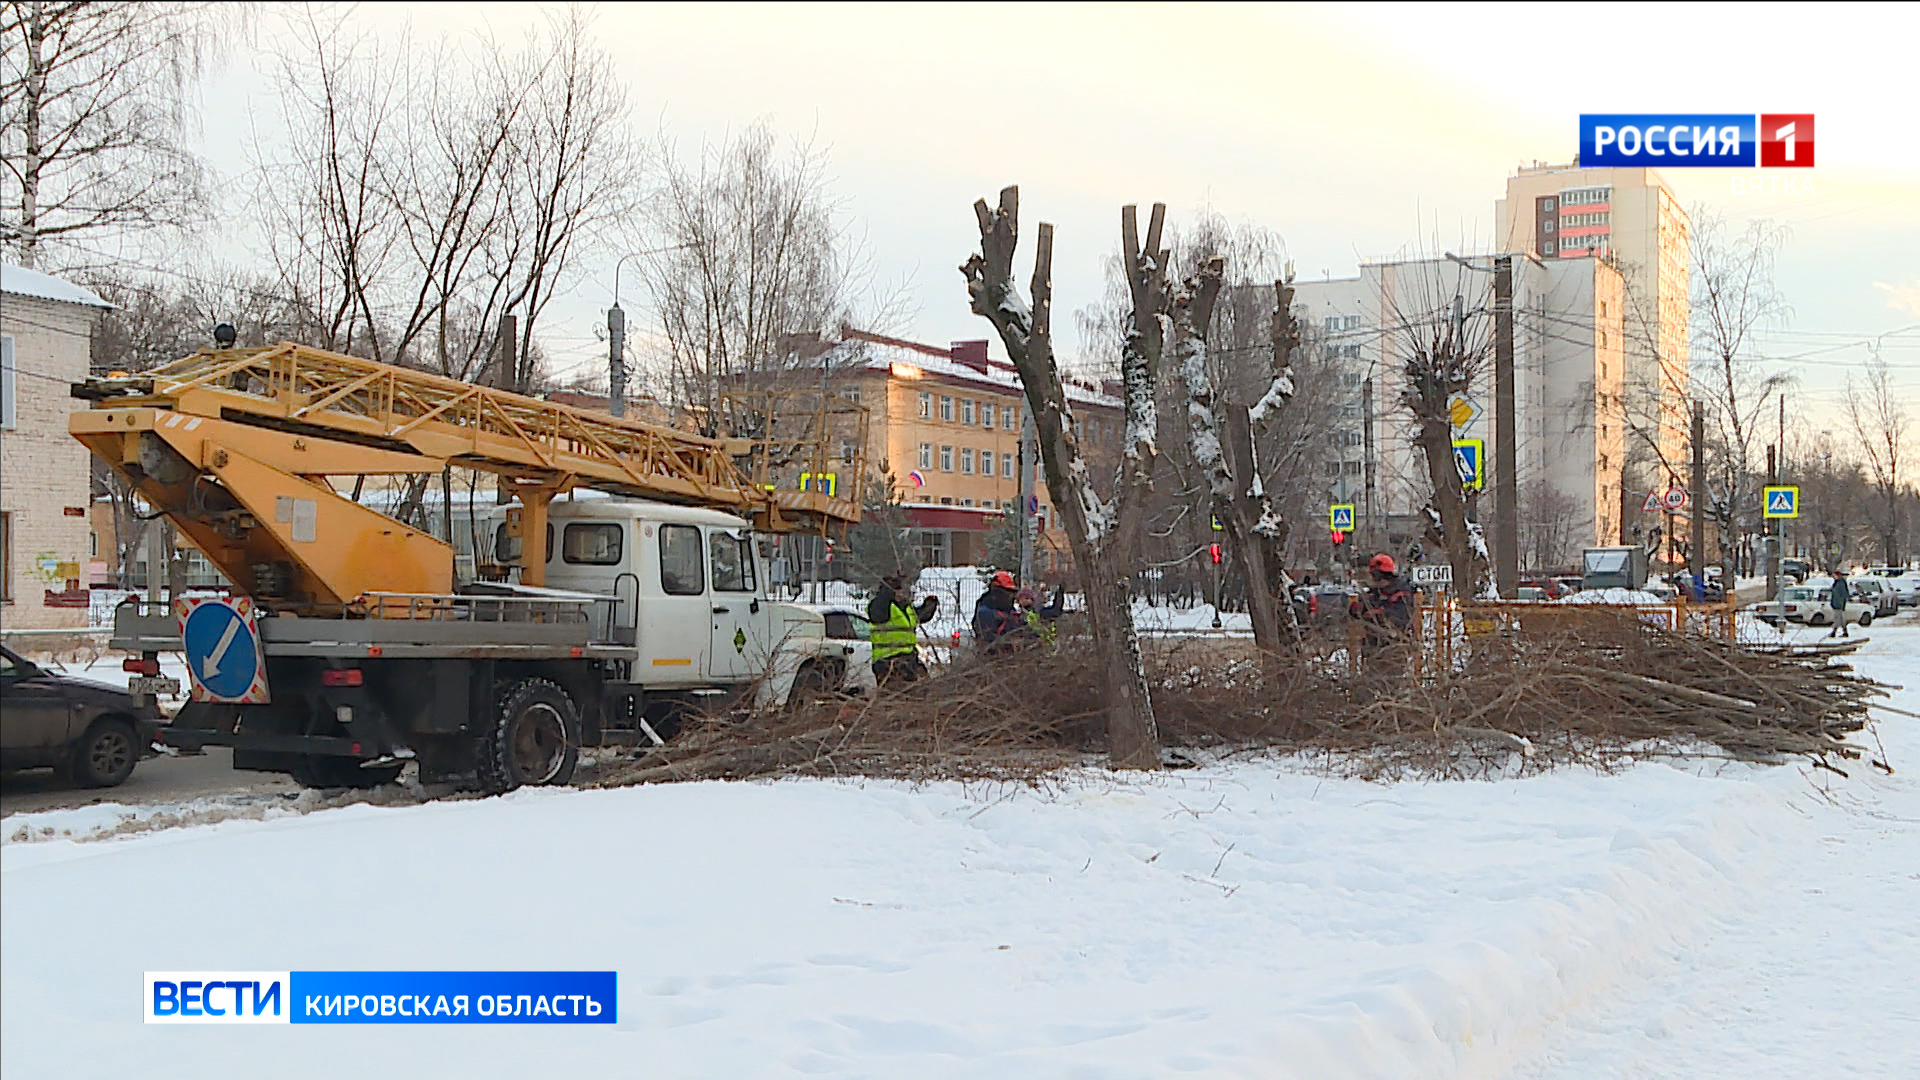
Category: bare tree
[99,101]
[1548,517]
[754,257]
[1879,417]
[1095,527]
[1443,355]
[1733,296]
[423,196]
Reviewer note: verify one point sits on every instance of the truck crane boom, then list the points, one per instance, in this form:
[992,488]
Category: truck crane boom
[235,445]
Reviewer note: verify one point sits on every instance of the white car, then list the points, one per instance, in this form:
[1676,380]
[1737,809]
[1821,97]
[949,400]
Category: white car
[1878,592]
[1808,604]
[847,625]
[1904,581]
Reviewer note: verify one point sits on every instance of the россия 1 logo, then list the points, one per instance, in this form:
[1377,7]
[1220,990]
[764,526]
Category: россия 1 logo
[1696,140]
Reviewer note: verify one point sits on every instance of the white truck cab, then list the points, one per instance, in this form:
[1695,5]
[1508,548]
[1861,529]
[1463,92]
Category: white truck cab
[691,592]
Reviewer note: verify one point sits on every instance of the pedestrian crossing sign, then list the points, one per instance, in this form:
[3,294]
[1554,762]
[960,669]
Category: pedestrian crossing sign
[1340,517]
[1470,457]
[1781,502]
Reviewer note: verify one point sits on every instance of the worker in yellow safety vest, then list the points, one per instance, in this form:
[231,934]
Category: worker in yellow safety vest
[896,630]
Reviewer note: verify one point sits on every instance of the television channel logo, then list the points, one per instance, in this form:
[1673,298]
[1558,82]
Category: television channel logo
[381,997]
[1696,140]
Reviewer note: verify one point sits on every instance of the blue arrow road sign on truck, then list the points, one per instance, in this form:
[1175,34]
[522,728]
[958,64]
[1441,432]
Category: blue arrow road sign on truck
[223,649]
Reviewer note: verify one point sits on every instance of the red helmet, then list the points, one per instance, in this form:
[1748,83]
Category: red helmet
[1001,578]
[1381,564]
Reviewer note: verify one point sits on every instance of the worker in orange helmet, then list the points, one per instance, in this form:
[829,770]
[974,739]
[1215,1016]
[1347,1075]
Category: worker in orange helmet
[996,615]
[1385,606]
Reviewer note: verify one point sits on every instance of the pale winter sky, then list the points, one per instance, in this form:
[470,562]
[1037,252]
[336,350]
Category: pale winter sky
[1353,131]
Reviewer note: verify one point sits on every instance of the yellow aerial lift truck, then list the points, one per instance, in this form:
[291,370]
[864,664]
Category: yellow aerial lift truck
[350,648]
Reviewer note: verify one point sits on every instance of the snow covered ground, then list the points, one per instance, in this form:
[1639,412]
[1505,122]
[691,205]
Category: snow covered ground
[1246,919]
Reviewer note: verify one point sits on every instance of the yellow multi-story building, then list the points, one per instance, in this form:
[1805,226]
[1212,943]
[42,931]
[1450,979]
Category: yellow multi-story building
[945,424]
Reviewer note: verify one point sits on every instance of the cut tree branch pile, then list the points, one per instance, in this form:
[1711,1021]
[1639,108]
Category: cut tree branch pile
[1598,692]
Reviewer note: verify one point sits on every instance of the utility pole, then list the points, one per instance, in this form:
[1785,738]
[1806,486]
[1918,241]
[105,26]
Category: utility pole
[1697,552]
[1772,533]
[1028,446]
[1374,532]
[616,360]
[1506,491]
[506,345]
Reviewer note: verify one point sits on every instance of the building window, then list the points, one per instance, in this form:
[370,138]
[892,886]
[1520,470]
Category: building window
[986,414]
[926,455]
[1333,468]
[966,502]
[852,394]
[1009,416]
[966,460]
[1006,466]
[946,500]
[946,408]
[1350,412]
[966,411]
[926,405]
[986,463]
[946,459]
[1352,468]
[848,451]
[1351,379]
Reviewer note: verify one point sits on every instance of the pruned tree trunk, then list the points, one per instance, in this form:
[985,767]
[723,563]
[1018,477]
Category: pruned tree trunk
[1220,437]
[1094,529]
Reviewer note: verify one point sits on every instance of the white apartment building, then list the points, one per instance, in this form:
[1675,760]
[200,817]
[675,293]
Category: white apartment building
[1569,367]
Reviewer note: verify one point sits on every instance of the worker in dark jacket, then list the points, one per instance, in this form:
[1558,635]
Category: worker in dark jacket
[896,630]
[1837,598]
[996,616]
[1385,607]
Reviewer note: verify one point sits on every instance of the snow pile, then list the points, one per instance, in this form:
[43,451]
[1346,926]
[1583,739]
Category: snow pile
[1612,596]
[1239,919]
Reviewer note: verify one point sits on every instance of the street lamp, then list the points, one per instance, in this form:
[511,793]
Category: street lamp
[617,334]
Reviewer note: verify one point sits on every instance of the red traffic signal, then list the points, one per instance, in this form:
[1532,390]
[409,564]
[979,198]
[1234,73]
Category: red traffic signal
[1339,537]
[1213,552]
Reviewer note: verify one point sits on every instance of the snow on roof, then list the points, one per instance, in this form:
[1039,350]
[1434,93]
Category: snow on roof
[21,281]
[880,356]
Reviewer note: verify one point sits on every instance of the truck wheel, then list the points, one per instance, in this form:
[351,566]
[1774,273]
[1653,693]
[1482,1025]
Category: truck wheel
[331,771]
[536,739]
[105,755]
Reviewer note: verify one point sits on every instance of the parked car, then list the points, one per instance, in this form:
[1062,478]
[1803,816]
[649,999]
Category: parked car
[849,625]
[1808,605]
[1569,584]
[1904,581]
[1797,569]
[1878,592]
[1549,588]
[89,732]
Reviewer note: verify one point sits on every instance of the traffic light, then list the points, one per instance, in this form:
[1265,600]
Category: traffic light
[1213,552]
[1339,536]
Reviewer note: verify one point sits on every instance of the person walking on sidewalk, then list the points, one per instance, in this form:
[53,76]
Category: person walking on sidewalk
[1837,598]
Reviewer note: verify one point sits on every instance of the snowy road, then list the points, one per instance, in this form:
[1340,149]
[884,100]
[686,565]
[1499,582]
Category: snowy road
[1245,920]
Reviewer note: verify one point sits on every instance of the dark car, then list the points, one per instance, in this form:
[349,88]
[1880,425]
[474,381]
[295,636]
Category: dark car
[90,732]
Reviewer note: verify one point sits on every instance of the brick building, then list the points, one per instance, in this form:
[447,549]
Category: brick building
[946,422]
[46,325]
